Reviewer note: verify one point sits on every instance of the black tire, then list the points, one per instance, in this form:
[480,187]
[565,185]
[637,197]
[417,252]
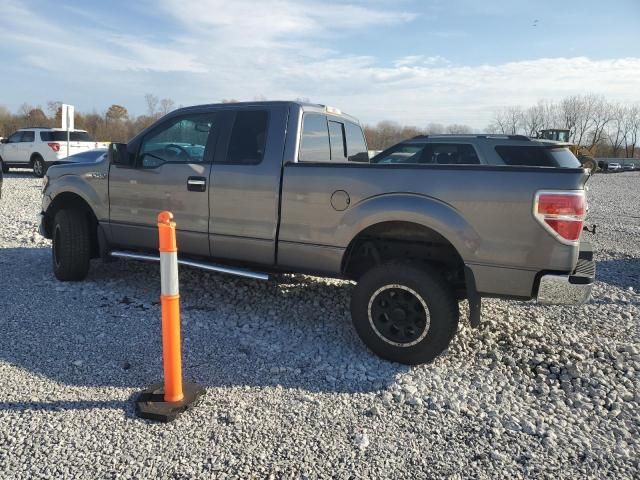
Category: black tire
[5,168]
[39,167]
[389,314]
[71,245]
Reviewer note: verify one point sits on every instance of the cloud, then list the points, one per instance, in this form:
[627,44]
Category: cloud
[265,22]
[280,49]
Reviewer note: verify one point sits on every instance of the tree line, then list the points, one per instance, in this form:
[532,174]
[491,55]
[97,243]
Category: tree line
[113,125]
[606,129]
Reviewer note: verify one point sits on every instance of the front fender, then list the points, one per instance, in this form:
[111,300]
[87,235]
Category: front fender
[419,209]
[90,187]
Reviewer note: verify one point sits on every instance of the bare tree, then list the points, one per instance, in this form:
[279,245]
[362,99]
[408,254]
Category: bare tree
[602,114]
[584,114]
[53,106]
[539,117]
[615,130]
[458,129]
[569,112]
[507,121]
[632,131]
[24,109]
[166,106]
[434,129]
[152,104]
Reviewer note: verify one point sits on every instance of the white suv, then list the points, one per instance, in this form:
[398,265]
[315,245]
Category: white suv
[39,148]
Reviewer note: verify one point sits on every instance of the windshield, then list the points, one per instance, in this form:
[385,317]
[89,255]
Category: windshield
[403,153]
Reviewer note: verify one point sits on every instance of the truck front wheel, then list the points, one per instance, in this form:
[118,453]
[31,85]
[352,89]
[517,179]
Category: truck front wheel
[71,245]
[404,313]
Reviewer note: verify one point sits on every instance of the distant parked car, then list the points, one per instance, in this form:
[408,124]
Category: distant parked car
[628,166]
[614,167]
[39,148]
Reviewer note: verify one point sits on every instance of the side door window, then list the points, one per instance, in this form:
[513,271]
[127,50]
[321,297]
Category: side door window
[27,136]
[314,145]
[450,154]
[179,140]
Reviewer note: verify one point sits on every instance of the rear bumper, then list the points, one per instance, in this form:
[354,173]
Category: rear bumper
[568,289]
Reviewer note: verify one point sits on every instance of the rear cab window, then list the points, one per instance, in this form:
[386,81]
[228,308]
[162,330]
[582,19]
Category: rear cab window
[315,146]
[537,156]
[331,139]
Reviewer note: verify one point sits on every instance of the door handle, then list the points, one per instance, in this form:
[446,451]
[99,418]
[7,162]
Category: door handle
[197,184]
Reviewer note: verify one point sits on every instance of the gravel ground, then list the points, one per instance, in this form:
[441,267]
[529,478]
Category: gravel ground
[291,391]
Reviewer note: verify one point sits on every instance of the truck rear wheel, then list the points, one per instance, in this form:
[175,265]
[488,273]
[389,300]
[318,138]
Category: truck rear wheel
[404,313]
[71,245]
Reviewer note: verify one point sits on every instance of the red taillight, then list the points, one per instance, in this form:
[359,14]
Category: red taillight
[561,213]
[54,146]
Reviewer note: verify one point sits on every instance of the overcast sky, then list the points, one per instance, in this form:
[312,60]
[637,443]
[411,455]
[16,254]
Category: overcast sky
[412,61]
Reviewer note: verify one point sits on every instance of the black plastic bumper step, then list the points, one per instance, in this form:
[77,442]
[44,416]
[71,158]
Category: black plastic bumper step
[584,273]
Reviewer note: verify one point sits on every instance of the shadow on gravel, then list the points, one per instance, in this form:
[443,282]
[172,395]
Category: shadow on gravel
[63,405]
[620,272]
[22,173]
[294,332]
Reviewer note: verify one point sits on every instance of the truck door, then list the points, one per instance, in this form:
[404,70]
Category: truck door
[171,172]
[245,184]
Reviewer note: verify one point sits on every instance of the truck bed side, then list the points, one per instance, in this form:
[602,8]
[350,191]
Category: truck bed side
[485,212]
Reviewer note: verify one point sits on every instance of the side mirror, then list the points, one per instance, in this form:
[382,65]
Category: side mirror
[118,155]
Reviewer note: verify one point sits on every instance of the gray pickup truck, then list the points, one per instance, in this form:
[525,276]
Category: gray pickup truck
[265,187]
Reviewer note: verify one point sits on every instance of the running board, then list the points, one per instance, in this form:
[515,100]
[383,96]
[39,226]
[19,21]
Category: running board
[211,267]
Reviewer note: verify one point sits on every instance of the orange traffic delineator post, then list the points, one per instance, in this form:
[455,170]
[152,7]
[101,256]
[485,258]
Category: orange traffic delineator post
[164,402]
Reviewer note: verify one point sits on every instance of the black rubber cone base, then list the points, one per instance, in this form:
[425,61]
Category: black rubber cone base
[150,403]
